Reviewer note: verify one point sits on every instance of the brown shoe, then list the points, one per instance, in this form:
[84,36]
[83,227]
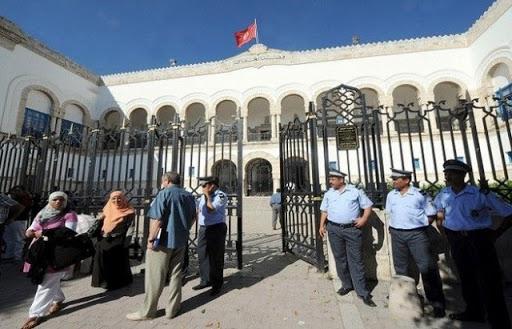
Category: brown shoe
[55,308]
[31,323]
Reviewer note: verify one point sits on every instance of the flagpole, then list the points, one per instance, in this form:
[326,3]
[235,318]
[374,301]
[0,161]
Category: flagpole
[256,25]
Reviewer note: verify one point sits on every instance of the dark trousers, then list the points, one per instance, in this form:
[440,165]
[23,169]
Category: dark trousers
[416,243]
[480,275]
[210,249]
[346,245]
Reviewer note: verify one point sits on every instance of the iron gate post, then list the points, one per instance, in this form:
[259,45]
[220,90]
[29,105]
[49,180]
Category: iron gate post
[148,191]
[239,207]
[92,167]
[311,117]
[471,116]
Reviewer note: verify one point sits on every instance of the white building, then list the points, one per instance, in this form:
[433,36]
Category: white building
[40,88]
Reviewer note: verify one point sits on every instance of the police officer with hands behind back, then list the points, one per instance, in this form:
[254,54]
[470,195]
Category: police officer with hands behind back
[465,213]
[212,235]
[341,218]
[409,210]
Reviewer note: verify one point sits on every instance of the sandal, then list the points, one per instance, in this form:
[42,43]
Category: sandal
[31,323]
[55,308]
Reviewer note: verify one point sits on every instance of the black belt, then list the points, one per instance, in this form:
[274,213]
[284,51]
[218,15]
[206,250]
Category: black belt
[341,225]
[408,229]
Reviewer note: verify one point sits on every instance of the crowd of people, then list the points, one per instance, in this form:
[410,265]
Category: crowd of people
[460,212]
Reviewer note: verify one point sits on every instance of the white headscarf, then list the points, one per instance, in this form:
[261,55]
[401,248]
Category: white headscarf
[48,213]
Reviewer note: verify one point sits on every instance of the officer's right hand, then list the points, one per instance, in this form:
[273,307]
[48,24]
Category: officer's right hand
[322,230]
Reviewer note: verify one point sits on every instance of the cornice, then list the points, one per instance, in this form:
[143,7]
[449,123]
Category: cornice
[259,55]
[11,35]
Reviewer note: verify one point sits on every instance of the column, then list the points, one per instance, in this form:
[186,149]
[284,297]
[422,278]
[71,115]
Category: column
[245,128]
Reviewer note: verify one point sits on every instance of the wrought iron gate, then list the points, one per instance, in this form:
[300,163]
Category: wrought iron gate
[90,164]
[365,142]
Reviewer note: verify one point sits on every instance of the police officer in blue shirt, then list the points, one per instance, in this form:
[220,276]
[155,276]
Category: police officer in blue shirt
[341,218]
[409,210]
[212,235]
[465,213]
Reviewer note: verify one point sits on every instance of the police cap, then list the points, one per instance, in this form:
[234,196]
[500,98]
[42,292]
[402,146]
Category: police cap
[397,173]
[456,165]
[208,179]
[336,173]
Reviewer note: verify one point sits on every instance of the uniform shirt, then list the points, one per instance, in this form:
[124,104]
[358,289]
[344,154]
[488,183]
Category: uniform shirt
[219,202]
[470,209]
[409,210]
[343,206]
[275,198]
[175,207]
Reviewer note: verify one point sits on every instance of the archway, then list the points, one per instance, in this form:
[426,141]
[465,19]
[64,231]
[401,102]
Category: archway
[259,177]
[225,171]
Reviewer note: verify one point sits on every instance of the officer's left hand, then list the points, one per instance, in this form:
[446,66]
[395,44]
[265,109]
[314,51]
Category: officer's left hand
[360,222]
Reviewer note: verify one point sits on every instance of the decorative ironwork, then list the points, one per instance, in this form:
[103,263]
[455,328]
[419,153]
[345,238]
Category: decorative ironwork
[90,165]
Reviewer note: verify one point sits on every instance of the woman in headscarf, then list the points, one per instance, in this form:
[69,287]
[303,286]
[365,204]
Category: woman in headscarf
[49,296]
[111,266]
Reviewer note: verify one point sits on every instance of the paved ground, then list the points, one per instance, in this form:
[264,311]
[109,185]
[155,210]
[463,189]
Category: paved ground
[273,290]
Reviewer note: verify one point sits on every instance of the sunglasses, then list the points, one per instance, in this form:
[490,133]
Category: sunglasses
[58,199]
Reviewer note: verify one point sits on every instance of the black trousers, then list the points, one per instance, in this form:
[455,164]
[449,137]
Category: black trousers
[480,275]
[416,243]
[210,249]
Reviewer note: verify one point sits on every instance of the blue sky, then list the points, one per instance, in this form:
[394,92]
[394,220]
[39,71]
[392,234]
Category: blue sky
[110,36]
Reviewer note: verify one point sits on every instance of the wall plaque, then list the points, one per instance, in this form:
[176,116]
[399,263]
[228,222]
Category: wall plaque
[346,137]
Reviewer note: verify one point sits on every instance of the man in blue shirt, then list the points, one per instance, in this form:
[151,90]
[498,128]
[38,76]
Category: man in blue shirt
[275,204]
[172,214]
[211,242]
[341,218]
[465,213]
[408,209]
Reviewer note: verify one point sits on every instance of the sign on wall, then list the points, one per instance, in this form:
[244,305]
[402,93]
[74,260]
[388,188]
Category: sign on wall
[346,137]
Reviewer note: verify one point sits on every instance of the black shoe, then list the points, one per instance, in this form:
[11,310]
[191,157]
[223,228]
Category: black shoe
[215,291]
[466,316]
[439,312]
[344,291]
[367,300]
[201,286]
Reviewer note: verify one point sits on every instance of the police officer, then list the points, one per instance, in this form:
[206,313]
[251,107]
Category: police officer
[212,235]
[465,213]
[408,209]
[341,208]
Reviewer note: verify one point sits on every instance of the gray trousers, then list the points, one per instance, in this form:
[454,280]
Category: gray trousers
[158,263]
[416,243]
[276,213]
[346,245]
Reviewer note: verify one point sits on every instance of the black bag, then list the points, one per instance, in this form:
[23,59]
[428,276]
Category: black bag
[95,229]
[71,251]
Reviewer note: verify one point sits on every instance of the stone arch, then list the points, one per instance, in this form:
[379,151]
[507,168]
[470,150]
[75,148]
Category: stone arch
[258,119]
[408,117]
[165,115]
[372,96]
[225,171]
[87,120]
[449,93]
[226,112]
[195,113]
[292,106]
[257,92]
[497,56]
[291,89]
[137,105]
[108,121]
[258,177]
[499,76]
[407,79]
[138,118]
[53,112]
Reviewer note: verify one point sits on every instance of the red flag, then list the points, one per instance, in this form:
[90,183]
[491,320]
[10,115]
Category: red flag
[244,36]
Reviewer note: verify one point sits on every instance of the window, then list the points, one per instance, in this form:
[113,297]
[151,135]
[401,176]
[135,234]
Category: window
[71,132]
[509,157]
[35,123]
[505,110]
[333,165]
[417,163]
